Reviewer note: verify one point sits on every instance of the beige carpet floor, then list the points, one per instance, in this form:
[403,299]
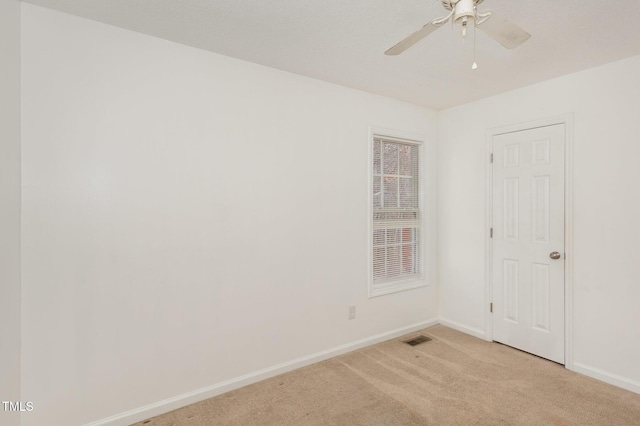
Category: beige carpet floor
[455,379]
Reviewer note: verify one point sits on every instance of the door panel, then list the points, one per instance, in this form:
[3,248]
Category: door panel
[528,223]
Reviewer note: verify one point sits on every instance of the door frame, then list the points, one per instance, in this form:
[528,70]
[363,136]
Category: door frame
[567,120]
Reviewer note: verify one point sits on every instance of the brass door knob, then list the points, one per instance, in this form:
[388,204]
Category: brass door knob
[554,255]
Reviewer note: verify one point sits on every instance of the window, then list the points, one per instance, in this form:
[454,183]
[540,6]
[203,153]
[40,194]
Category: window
[397,237]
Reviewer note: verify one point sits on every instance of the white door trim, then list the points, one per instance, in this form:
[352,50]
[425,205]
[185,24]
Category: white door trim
[567,120]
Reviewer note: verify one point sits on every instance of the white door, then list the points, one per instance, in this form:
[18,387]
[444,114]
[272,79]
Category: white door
[528,240]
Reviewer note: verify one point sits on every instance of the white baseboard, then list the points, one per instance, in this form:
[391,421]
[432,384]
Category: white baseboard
[464,329]
[161,407]
[603,376]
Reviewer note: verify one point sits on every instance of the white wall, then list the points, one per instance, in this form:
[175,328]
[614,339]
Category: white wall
[607,207]
[187,218]
[9,207]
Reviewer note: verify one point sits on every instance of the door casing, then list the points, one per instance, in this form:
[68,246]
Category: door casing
[567,120]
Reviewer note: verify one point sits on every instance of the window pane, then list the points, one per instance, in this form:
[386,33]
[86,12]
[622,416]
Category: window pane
[409,259]
[378,237]
[408,198]
[377,192]
[376,156]
[390,158]
[407,155]
[390,192]
[393,261]
[408,235]
[393,236]
[379,263]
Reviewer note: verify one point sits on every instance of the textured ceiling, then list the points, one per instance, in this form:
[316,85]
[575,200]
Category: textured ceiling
[342,41]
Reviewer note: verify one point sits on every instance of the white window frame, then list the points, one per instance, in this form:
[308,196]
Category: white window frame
[426,233]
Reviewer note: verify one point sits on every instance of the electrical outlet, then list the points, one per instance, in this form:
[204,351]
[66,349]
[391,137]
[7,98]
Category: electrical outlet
[352,312]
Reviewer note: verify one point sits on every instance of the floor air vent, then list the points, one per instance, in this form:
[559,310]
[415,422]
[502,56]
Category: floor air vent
[417,340]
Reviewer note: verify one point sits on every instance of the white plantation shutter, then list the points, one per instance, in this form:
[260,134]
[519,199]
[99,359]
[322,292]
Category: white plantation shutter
[396,211]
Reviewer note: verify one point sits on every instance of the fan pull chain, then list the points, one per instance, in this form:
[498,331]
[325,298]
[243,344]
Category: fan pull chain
[475,29]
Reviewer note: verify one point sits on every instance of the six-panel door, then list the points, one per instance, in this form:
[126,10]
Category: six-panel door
[528,227]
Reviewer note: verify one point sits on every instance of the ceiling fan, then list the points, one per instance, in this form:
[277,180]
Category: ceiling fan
[465,13]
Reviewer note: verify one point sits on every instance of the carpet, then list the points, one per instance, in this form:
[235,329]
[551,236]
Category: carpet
[455,379]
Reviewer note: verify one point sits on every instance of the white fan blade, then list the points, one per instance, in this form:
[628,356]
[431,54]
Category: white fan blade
[414,38]
[504,31]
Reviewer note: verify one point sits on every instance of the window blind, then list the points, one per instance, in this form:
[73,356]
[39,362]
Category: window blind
[396,210]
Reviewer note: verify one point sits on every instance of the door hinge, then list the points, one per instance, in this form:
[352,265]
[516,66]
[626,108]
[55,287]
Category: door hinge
[491,307]
[490,232]
[491,158]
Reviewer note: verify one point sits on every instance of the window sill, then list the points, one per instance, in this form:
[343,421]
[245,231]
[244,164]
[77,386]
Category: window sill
[396,287]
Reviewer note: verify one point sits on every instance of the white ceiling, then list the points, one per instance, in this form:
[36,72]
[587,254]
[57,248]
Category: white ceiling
[342,41]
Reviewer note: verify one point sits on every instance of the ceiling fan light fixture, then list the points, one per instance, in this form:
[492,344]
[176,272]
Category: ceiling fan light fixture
[461,12]
[465,12]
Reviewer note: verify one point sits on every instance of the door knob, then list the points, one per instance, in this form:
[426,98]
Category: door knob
[554,255]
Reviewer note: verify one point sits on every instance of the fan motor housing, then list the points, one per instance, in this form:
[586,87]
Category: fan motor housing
[450,4]
[465,10]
